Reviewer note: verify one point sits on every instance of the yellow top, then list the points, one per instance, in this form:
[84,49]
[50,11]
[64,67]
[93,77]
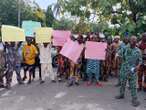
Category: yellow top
[29,54]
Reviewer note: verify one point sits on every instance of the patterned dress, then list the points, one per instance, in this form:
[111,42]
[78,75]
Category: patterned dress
[131,58]
[93,68]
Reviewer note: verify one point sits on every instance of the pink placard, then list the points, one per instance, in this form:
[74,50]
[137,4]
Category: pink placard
[72,50]
[60,37]
[95,50]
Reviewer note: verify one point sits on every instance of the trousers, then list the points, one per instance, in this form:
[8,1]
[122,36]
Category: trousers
[132,78]
[46,69]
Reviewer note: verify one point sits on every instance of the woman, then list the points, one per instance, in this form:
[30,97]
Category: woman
[93,67]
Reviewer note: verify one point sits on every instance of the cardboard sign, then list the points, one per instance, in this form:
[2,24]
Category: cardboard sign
[30,27]
[72,50]
[12,34]
[60,37]
[95,50]
[43,35]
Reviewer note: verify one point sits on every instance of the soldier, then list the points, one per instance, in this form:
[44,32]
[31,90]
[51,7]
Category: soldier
[131,60]
[2,65]
[123,45]
[142,69]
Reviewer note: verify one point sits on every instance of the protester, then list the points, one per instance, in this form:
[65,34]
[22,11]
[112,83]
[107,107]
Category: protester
[46,62]
[115,60]
[75,68]
[29,55]
[66,68]
[93,67]
[132,59]
[37,61]
[60,68]
[142,69]
[2,65]
[13,63]
[106,67]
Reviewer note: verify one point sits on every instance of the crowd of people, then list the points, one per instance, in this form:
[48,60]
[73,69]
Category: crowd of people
[125,60]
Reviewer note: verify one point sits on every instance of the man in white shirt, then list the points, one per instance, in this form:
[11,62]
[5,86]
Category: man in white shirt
[46,62]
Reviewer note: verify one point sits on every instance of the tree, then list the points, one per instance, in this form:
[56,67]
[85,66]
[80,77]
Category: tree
[9,12]
[128,15]
[49,16]
[63,24]
[58,8]
[40,16]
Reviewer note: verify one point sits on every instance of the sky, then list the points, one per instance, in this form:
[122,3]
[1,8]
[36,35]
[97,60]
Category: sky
[44,3]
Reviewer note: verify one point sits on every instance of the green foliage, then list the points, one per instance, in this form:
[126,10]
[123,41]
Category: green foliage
[9,12]
[63,24]
[94,15]
[49,17]
[132,23]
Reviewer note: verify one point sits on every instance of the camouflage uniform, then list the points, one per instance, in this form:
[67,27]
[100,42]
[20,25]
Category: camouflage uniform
[121,52]
[131,58]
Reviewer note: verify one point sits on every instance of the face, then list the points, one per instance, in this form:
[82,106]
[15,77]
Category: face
[45,44]
[28,42]
[116,40]
[133,41]
[12,44]
[126,40]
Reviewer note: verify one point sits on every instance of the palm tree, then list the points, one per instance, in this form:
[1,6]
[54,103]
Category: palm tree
[57,7]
